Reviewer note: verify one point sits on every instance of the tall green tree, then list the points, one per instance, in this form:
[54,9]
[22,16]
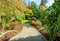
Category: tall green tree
[43,2]
[35,10]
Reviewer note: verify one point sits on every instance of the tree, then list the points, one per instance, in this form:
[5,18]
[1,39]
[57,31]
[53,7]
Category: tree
[43,2]
[29,6]
[53,20]
[35,10]
[9,9]
[42,5]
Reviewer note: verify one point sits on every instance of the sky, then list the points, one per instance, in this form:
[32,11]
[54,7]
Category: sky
[49,3]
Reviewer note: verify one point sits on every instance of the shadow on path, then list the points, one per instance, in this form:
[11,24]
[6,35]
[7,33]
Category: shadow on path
[32,38]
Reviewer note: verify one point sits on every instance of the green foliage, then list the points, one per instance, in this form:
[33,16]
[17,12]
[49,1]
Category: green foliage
[43,2]
[11,10]
[33,13]
[29,14]
[51,17]
[35,10]
[5,13]
[43,6]
[6,21]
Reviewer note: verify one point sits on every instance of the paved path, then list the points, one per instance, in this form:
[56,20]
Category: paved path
[28,34]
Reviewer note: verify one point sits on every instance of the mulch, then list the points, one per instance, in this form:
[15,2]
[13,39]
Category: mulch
[13,26]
